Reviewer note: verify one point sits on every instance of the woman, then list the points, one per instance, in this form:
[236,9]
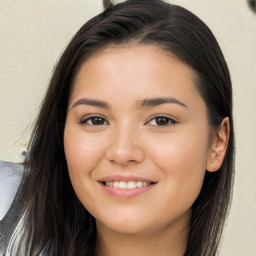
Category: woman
[132,151]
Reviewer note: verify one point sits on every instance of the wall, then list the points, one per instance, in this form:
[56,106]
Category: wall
[34,33]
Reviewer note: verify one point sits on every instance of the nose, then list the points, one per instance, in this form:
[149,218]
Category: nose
[125,146]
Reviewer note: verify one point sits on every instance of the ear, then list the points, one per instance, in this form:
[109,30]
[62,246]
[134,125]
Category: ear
[218,146]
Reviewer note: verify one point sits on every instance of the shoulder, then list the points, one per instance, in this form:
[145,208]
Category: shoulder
[10,179]
[11,223]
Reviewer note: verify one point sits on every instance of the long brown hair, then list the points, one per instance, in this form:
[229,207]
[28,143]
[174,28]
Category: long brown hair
[55,217]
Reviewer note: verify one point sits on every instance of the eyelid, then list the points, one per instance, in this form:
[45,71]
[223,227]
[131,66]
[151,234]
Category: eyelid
[172,120]
[91,116]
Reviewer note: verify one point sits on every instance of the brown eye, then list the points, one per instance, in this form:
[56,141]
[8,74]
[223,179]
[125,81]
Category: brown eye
[161,121]
[96,120]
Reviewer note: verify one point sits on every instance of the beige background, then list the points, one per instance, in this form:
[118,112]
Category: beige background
[32,36]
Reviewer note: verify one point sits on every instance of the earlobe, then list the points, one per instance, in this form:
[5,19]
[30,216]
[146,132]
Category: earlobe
[219,146]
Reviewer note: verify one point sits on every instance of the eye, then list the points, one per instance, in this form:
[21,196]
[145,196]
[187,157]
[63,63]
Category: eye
[94,120]
[161,121]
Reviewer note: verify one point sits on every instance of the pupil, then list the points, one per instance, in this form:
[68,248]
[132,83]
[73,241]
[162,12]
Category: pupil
[162,121]
[98,121]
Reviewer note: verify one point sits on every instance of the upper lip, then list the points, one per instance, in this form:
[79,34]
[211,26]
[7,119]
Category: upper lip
[124,178]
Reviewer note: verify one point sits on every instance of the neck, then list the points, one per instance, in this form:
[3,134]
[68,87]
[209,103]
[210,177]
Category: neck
[168,242]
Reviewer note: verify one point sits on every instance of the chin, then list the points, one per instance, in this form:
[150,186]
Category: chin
[126,224]
[127,228]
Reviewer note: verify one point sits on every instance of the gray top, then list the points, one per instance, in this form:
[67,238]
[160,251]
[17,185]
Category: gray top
[11,223]
[10,179]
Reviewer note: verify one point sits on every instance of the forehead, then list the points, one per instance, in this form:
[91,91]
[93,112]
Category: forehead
[138,71]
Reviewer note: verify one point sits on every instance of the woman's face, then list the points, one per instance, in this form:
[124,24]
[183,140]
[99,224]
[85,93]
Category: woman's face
[137,140]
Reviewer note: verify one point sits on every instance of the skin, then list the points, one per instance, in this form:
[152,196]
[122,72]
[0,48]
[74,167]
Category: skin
[128,140]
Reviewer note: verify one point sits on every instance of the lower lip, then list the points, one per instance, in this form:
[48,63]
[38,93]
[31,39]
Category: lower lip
[126,193]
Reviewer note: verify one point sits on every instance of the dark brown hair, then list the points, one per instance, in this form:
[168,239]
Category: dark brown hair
[55,216]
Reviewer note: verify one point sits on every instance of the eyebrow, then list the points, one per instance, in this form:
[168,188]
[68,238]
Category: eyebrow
[91,102]
[146,103]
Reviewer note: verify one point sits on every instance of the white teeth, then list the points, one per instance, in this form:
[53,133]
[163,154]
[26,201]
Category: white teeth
[144,184]
[127,185]
[139,184]
[123,184]
[131,184]
[109,183]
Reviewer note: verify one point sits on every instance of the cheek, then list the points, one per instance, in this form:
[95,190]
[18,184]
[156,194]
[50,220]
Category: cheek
[82,152]
[182,149]
[183,159]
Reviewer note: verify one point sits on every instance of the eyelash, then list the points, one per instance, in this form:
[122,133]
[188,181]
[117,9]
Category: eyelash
[85,121]
[165,119]
[170,121]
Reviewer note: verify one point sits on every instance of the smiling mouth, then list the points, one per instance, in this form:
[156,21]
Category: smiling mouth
[127,185]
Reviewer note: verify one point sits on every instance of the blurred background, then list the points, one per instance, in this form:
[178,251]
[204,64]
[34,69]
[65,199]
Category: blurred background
[33,33]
